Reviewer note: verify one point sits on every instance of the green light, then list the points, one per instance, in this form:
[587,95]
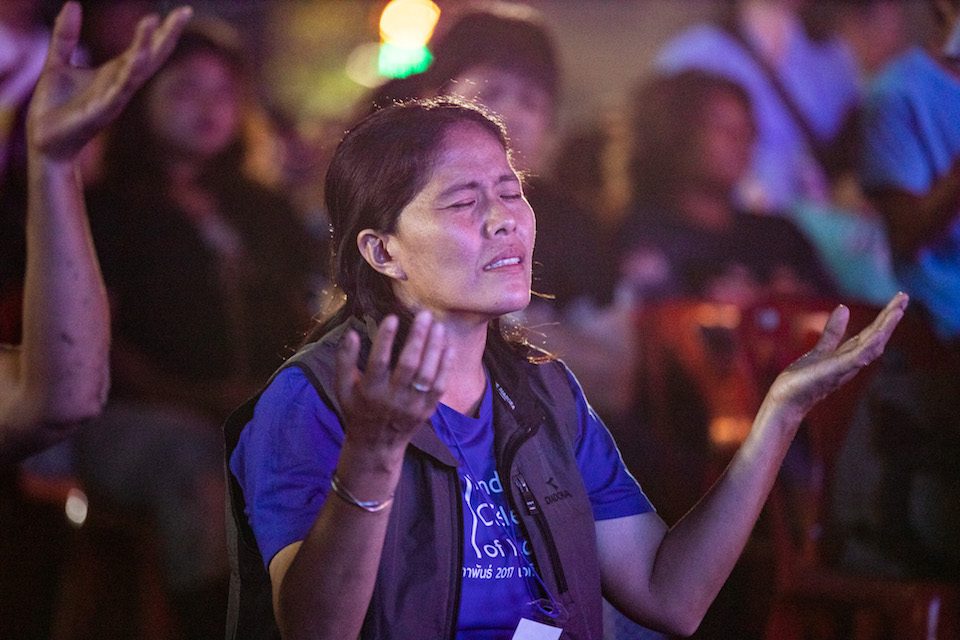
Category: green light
[398,61]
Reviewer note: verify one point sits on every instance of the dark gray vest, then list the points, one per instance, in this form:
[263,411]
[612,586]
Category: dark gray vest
[417,592]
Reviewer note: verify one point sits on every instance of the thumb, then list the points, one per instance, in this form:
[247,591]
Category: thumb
[66,35]
[346,365]
[833,331]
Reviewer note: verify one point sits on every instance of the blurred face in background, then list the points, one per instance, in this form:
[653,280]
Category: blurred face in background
[724,147]
[194,106]
[525,107]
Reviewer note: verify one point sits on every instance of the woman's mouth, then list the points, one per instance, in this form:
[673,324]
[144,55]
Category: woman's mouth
[502,262]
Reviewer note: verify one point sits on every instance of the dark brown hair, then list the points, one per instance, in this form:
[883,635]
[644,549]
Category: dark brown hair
[501,35]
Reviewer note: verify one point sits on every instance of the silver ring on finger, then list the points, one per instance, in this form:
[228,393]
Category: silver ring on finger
[421,387]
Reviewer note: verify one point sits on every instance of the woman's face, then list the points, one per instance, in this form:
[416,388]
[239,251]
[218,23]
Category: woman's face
[726,141]
[463,246]
[194,106]
[525,107]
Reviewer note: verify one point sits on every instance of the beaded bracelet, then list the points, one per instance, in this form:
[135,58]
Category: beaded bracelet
[370,506]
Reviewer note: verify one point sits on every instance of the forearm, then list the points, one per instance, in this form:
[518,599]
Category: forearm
[326,590]
[913,220]
[26,426]
[66,333]
[697,555]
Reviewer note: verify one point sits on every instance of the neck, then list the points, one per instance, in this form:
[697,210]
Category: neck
[706,208]
[466,381]
[769,26]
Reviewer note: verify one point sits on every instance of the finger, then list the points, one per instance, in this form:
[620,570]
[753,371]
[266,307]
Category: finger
[378,364]
[165,39]
[412,355]
[432,352]
[894,310]
[136,59]
[874,338]
[66,34]
[129,74]
[833,331]
[443,373]
[346,364]
[438,385]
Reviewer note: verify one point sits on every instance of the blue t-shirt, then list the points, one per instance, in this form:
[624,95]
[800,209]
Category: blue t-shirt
[287,454]
[911,138]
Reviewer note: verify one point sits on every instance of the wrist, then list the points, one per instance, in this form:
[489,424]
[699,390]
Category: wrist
[369,474]
[373,456]
[782,417]
[370,506]
[42,167]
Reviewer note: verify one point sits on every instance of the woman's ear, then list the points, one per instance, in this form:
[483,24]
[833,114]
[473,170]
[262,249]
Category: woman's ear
[374,247]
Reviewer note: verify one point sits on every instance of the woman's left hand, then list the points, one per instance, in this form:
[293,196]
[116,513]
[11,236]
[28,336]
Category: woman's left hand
[71,105]
[811,378]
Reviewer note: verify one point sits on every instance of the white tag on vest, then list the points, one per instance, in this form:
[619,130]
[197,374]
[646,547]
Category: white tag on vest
[530,630]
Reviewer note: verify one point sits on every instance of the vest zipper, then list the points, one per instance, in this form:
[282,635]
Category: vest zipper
[458,575]
[533,509]
[530,501]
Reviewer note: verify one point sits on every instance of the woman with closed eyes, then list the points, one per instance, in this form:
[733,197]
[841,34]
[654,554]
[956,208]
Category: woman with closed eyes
[419,471]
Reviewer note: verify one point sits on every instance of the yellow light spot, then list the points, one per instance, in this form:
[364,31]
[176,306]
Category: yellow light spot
[409,23]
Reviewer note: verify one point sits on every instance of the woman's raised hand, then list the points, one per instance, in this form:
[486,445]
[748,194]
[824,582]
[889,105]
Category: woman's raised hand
[71,105]
[383,407]
[830,364]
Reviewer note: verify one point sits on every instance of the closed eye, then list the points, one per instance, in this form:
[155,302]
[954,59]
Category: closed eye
[463,204]
[511,196]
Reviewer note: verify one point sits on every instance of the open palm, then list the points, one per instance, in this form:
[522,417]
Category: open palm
[833,361]
[70,104]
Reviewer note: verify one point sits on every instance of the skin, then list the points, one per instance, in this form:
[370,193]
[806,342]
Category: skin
[664,577]
[58,377]
[726,142]
[716,162]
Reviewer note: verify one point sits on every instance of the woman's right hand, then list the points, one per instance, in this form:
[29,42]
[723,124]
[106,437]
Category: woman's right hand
[72,105]
[383,407]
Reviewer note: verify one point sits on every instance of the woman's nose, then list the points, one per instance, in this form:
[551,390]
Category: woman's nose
[501,219]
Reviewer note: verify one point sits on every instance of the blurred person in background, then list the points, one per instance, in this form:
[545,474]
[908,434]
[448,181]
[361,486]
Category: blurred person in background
[910,170]
[803,92]
[897,501]
[23,44]
[803,63]
[847,230]
[874,30]
[687,235]
[209,275]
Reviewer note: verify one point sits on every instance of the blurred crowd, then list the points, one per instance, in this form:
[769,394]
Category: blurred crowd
[789,150]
